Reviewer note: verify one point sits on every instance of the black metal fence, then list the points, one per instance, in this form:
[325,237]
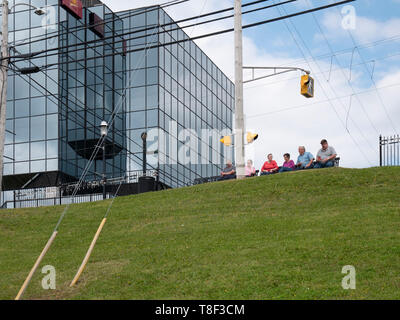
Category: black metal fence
[389,151]
[43,202]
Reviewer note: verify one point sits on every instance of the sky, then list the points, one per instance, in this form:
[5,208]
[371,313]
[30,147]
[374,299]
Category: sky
[353,54]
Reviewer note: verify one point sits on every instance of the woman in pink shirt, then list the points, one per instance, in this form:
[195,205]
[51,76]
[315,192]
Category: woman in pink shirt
[250,170]
[288,165]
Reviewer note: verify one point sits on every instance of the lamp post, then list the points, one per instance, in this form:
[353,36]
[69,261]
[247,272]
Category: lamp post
[103,132]
[144,139]
[4,73]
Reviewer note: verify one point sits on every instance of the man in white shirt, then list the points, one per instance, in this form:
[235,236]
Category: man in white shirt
[325,156]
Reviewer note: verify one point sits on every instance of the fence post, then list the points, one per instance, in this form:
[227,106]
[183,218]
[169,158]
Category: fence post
[380,150]
[398,150]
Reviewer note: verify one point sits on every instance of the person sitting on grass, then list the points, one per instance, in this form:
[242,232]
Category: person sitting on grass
[305,160]
[270,166]
[325,156]
[250,171]
[229,171]
[288,165]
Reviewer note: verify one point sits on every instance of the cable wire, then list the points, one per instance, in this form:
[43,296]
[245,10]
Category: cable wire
[210,34]
[121,40]
[323,90]
[155,8]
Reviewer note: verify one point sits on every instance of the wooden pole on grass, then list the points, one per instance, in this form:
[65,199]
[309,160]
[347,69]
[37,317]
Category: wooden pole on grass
[36,265]
[89,252]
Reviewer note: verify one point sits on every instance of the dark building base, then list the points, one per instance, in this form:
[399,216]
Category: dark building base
[36,180]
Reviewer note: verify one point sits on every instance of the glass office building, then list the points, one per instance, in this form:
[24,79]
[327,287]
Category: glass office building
[129,68]
[175,89]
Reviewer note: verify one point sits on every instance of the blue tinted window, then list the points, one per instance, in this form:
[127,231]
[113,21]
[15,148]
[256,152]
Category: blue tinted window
[22,130]
[38,128]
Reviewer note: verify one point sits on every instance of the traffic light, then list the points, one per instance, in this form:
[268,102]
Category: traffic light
[307,86]
[250,137]
[227,140]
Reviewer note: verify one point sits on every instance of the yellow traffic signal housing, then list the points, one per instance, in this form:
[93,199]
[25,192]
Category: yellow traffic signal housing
[251,137]
[307,86]
[227,140]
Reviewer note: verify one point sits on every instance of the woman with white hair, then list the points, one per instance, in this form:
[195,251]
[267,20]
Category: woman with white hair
[250,171]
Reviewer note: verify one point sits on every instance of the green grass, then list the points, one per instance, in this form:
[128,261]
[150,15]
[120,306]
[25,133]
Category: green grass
[285,236]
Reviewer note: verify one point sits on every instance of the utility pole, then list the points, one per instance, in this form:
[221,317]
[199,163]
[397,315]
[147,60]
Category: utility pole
[239,119]
[3,85]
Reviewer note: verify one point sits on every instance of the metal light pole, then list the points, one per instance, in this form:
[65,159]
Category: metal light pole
[4,75]
[104,131]
[144,139]
[239,119]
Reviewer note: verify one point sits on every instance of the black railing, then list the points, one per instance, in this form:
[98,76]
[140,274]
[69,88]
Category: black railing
[205,180]
[389,151]
[43,202]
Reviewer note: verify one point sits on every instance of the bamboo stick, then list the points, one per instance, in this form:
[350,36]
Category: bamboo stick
[36,265]
[89,252]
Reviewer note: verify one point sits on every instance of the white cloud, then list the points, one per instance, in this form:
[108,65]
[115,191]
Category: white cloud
[366,30]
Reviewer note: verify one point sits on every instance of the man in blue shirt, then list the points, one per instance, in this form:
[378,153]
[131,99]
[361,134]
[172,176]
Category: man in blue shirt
[305,160]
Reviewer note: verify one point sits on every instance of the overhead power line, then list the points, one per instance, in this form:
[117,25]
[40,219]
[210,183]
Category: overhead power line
[306,105]
[142,32]
[101,45]
[385,109]
[322,88]
[348,81]
[331,70]
[209,34]
[119,16]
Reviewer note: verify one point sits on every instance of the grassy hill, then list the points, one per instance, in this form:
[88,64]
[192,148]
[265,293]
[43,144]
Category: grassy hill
[285,236]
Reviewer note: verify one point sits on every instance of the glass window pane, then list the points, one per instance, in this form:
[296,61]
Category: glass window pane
[38,150]
[152,76]
[138,98]
[22,108]
[138,78]
[38,166]
[10,110]
[138,119]
[22,152]
[52,165]
[152,57]
[51,106]
[152,118]
[22,130]
[22,19]
[8,168]
[152,96]
[52,149]
[23,88]
[52,126]
[37,106]
[21,167]
[38,128]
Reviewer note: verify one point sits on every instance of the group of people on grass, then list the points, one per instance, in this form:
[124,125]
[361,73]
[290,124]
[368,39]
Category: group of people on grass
[325,158]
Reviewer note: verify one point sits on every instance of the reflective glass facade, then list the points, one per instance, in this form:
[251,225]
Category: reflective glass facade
[31,141]
[179,91]
[53,116]
[175,93]
[91,89]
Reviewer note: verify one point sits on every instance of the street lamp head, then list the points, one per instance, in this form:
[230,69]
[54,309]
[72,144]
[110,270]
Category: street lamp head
[40,11]
[103,128]
[144,136]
